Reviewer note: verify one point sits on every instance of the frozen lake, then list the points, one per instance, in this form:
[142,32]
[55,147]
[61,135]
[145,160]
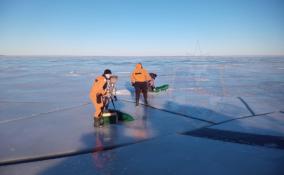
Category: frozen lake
[216,109]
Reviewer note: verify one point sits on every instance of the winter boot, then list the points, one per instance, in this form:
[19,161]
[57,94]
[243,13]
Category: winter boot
[98,122]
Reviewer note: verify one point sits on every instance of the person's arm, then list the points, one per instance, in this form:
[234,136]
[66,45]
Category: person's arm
[100,86]
[132,78]
[147,75]
[96,91]
[92,93]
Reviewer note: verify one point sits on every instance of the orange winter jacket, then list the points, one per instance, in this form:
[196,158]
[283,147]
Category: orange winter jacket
[139,74]
[98,87]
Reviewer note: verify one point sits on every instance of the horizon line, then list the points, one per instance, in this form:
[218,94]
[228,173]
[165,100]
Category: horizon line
[82,55]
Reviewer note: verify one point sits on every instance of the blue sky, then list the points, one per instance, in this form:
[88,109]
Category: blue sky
[142,27]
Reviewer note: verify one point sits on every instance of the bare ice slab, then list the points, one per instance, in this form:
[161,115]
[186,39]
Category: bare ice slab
[221,115]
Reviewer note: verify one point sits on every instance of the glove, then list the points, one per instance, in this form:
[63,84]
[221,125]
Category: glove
[99,98]
[115,98]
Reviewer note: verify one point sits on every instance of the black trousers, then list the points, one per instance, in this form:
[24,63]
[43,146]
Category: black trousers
[141,87]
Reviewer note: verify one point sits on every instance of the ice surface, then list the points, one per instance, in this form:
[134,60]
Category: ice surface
[62,132]
[45,111]
[270,124]
[174,154]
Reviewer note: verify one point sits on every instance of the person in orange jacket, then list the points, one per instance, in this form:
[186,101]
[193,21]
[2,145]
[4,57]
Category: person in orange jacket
[139,79]
[97,94]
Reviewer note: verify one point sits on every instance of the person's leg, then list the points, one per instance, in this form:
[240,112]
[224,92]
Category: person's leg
[99,111]
[137,93]
[145,91]
[98,120]
[94,101]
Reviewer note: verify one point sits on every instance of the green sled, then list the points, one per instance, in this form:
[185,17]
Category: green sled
[115,116]
[161,88]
